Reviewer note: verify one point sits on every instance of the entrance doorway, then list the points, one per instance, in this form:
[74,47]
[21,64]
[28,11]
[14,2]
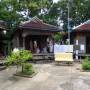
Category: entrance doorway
[88,45]
[34,42]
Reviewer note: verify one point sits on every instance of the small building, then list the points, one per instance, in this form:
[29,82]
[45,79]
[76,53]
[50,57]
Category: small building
[81,37]
[35,35]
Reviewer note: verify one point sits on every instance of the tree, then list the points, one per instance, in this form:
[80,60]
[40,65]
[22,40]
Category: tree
[52,15]
[15,11]
[58,37]
[79,11]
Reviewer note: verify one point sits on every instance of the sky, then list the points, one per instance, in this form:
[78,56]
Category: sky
[55,1]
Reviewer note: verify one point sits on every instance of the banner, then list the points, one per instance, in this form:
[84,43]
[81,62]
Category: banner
[63,48]
[63,57]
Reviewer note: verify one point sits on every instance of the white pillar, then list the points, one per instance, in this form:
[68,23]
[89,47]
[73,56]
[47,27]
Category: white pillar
[23,42]
[76,54]
[24,36]
[17,42]
[76,51]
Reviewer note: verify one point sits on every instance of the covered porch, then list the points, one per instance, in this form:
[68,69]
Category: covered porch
[37,43]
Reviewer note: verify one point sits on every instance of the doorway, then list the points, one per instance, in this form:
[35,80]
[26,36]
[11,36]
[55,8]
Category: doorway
[88,45]
[34,42]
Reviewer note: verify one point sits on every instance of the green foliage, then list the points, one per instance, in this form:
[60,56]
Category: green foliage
[79,11]
[19,57]
[28,69]
[86,64]
[25,55]
[52,15]
[13,59]
[58,37]
[10,11]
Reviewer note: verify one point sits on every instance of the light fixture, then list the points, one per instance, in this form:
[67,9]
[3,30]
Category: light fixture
[4,31]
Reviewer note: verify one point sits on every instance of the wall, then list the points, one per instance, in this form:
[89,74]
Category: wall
[15,42]
[81,41]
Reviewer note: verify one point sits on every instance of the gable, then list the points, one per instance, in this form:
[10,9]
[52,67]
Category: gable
[37,24]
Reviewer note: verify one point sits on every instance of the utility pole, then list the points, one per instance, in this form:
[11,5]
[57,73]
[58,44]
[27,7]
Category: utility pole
[68,21]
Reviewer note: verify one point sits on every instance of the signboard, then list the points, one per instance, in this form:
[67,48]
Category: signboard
[63,57]
[63,48]
[82,48]
[63,52]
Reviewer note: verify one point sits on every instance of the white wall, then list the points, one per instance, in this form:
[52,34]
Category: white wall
[81,41]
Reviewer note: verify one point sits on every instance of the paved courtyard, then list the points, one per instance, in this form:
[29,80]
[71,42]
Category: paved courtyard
[49,77]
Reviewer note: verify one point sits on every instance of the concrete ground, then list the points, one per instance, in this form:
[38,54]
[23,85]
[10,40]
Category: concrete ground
[49,77]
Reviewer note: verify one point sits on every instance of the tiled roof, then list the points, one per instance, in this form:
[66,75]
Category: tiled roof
[87,22]
[82,27]
[37,24]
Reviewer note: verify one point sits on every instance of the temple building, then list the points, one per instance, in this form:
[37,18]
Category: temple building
[36,36]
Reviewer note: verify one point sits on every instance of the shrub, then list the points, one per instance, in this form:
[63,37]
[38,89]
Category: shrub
[28,68]
[13,59]
[25,55]
[86,64]
[19,58]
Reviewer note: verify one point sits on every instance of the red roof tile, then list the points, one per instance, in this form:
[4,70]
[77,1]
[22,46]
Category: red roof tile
[83,27]
[37,24]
